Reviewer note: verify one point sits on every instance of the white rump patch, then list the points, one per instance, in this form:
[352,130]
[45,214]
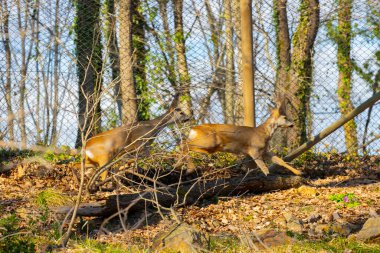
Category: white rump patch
[192,134]
[89,154]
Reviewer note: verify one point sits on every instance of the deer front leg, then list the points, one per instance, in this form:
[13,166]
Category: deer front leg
[259,161]
[281,162]
[262,166]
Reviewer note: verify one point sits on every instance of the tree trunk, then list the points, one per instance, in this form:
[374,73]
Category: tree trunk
[128,91]
[343,41]
[89,67]
[247,63]
[279,140]
[113,50]
[230,79]
[187,194]
[46,115]
[56,76]
[169,49]
[8,81]
[139,66]
[239,104]
[219,74]
[330,129]
[38,59]
[23,70]
[294,76]
[184,77]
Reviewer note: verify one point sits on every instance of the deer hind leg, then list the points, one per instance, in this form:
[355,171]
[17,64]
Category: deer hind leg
[184,158]
[103,161]
[281,162]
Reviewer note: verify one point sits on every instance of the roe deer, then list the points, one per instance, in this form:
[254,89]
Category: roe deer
[104,147]
[253,141]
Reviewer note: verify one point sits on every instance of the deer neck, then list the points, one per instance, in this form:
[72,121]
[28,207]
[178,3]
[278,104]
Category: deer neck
[270,127]
[158,122]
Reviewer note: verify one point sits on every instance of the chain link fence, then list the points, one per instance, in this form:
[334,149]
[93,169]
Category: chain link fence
[39,65]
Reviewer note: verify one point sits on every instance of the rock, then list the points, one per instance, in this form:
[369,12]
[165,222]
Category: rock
[312,233]
[182,238]
[327,218]
[370,230]
[288,216]
[295,226]
[314,218]
[341,229]
[292,223]
[232,228]
[336,217]
[322,228]
[373,213]
[280,221]
[307,191]
[273,238]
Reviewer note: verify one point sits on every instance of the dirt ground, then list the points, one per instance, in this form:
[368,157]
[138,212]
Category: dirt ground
[338,190]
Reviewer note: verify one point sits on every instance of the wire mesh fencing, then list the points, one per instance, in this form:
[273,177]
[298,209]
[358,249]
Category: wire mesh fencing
[54,53]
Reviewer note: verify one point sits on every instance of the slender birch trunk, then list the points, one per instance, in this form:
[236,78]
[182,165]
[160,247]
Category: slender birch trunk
[171,65]
[23,69]
[54,136]
[230,79]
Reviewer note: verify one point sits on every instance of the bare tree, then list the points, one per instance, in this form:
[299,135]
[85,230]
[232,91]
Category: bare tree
[128,91]
[46,115]
[113,50]
[22,20]
[36,16]
[170,60]
[184,76]
[8,59]
[230,75]
[216,56]
[248,70]
[56,74]
[239,108]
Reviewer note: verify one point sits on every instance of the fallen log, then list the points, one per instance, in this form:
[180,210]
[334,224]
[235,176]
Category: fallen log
[186,194]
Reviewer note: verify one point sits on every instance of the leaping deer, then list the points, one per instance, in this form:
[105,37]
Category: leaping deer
[252,141]
[104,147]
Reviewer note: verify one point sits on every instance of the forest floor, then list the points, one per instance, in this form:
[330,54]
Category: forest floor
[339,195]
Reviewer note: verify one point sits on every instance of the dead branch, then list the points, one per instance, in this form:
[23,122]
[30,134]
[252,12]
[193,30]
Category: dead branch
[186,194]
[330,129]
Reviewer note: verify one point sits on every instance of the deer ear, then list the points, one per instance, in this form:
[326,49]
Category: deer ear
[275,113]
[280,103]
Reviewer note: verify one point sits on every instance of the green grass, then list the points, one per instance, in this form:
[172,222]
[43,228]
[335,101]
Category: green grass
[51,198]
[12,238]
[90,245]
[335,245]
[347,199]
